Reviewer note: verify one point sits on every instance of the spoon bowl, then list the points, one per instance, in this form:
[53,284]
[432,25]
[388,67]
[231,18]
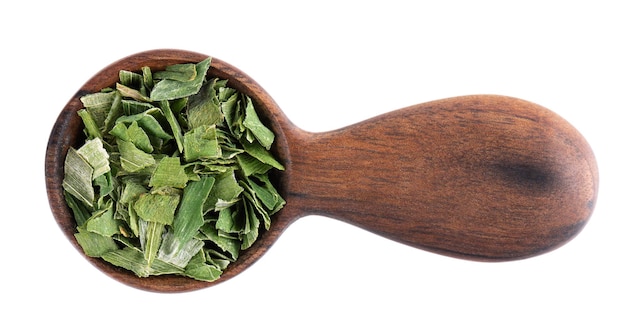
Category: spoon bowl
[482,177]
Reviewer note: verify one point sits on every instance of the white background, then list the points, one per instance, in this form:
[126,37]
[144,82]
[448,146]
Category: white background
[327,64]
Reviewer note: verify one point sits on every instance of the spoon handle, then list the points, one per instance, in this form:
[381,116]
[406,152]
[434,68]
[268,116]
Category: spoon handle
[476,177]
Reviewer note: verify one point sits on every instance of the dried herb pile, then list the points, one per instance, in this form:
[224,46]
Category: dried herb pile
[173,175]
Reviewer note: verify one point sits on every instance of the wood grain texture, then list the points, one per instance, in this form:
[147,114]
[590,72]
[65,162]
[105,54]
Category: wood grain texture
[484,177]
[476,177]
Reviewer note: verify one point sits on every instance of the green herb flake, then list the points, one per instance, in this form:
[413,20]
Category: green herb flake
[173,176]
[169,172]
[189,217]
[78,177]
[178,72]
[130,79]
[132,93]
[147,78]
[251,165]
[132,107]
[175,252]
[120,131]
[133,260]
[152,240]
[174,124]
[148,122]
[132,189]
[228,223]
[103,223]
[225,243]
[139,137]
[98,105]
[132,158]
[203,272]
[168,89]
[257,151]
[200,143]
[260,132]
[91,126]
[157,207]
[226,190]
[204,107]
[94,153]
[94,244]
[79,210]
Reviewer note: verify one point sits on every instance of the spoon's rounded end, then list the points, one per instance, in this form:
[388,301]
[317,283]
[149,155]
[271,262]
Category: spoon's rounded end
[67,132]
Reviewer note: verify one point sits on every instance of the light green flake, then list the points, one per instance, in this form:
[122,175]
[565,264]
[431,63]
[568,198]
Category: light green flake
[120,131]
[78,177]
[139,137]
[228,223]
[98,101]
[91,126]
[154,233]
[200,143]
[132,93]
[131,191]
[132,158]
[98,105]
[104,184]
[114,113]
[94,153]
[174,252]
[217,259]
[93,244]
[204,107]
[103,223]
[156,207]
[133,260]
[133,220]
[148,122]
[203,272]
[178,72]
[169,89]
[130,259]
[170,173]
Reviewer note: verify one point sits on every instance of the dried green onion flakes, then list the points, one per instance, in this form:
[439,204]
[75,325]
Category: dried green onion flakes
[173,177]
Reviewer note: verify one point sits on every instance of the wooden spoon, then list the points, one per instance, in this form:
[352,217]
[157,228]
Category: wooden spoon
[487,178]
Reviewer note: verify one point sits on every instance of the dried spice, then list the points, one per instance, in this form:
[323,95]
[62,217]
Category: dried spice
[173,177]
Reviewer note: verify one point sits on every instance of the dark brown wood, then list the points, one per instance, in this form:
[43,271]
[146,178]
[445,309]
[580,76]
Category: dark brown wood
[487,178]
